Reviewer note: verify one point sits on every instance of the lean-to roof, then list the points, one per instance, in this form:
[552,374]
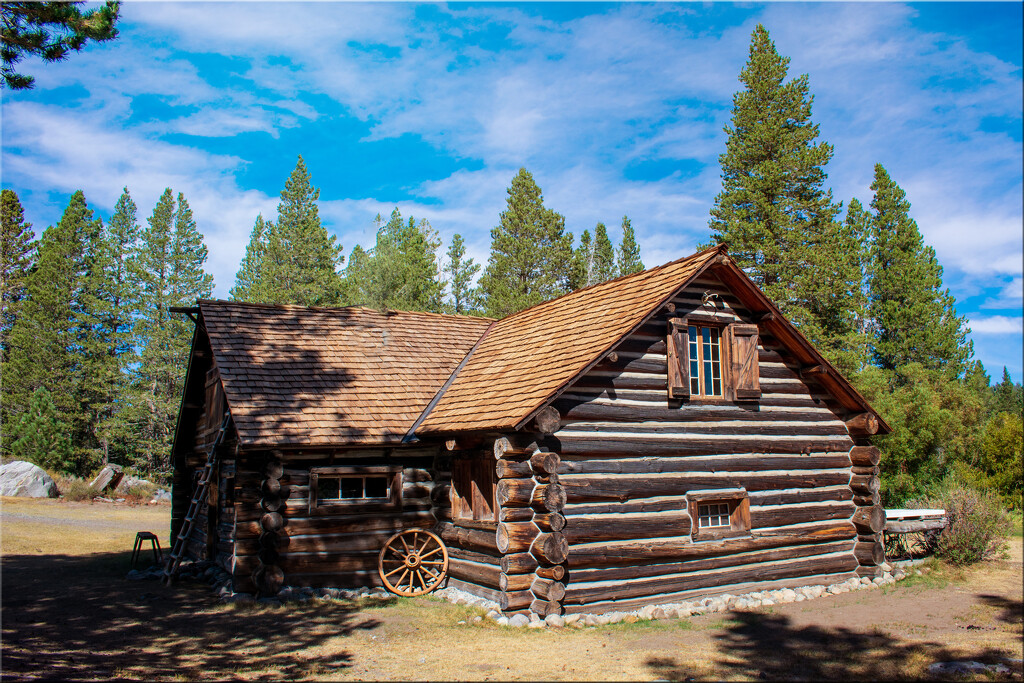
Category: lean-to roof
[331,376]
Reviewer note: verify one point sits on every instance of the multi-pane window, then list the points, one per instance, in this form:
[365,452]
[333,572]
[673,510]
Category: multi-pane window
[705,355]
[713,515]
[372,486]
[719,513]
[355,488]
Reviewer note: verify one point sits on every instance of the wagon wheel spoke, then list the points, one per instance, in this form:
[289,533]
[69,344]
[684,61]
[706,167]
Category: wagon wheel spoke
[433,562]
[404,544]
[395,570]
[432,552]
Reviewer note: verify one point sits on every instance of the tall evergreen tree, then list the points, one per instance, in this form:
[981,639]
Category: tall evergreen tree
[106,322]
[17,255]
[465,298]
[1007,397]
[628,260]
[170,258]
[531,253]
[401,272]
[301,261]
[45,346]
[582,263]
[248,281]
[773,211]
[914,316]
[604,256]
[834,287]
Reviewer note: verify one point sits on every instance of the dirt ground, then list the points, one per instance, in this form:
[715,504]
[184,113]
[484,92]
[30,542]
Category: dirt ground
[69,613]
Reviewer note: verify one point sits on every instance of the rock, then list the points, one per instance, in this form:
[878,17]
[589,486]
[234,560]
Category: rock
[647,612]
[23,479]
[886,567]
[659,613]
[534,616]
[878,580]
[501,621]
[865,581]
[239,598]
[767,602]
[967,667]
[536,624]
[755,603]
[135,575]
[616,617]
[799,598]
[571,619]
[519,620]
[554,620]
[109,477]
[477,619]
[493,615]
[787,595]
[603,620]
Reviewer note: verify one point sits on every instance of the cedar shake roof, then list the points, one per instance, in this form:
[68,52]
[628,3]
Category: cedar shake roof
[331,376]
[528,357]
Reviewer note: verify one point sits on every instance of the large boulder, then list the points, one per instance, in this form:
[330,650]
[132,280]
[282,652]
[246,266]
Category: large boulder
[20,478]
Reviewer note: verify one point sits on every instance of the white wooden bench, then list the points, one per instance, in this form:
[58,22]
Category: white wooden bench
[925,526]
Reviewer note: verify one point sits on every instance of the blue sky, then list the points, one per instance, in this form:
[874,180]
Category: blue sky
[615,108]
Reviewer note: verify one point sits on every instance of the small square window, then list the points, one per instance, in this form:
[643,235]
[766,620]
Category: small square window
[718,514]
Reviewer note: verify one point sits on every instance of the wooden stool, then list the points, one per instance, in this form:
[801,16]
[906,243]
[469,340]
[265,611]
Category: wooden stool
[158,554]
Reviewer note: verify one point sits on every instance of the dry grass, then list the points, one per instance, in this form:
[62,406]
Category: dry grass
[69,613]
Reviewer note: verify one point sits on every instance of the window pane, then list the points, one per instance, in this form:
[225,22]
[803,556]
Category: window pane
[327,488]
[376,487]
[352,487]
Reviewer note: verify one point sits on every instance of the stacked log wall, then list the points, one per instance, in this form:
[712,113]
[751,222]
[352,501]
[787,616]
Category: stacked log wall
[328,547]
[630,455]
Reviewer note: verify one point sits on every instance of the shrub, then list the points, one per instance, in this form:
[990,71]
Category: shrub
[978,524]
[74,489]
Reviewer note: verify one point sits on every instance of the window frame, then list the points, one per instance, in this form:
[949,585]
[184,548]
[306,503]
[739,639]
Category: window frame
[678,353]
[738,503]
[392,501]
[474,472]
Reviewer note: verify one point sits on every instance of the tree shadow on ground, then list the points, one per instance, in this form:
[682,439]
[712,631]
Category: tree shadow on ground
[74,617]
[1011,611]
[768,647]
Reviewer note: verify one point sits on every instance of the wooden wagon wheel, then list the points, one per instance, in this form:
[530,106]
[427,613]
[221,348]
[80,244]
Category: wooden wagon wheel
[413,562]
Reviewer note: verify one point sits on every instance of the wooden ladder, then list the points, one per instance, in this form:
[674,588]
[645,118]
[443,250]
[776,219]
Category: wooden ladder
[199,499]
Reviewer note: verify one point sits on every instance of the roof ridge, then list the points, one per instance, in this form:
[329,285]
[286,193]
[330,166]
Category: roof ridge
[331,309]
[646,273]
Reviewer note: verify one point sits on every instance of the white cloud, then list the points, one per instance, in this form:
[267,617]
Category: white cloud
[996,324]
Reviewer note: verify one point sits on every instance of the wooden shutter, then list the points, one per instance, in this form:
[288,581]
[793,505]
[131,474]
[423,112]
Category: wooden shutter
[678,359]
[743,351]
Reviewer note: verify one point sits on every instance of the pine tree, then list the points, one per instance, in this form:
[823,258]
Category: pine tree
[465,298]
[531,253]
[170,258]
[50,31]
[401,272]
[773,211]
[834,287]
[106,321]
[914,317]
[41,437]
[248,282]
[629,251]
[604,256]
[582,263]
[17,256]
[45,345]
[301,261]
[1007,397]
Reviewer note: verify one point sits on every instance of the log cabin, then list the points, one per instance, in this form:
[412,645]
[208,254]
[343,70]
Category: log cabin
[662,436]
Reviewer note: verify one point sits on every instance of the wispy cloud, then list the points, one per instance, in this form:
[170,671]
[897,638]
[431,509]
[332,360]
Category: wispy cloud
[997,324]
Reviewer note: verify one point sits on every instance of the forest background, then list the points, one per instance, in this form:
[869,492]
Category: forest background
[93,357]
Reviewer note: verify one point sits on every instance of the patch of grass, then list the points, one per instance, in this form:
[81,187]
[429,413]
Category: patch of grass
[1016,523]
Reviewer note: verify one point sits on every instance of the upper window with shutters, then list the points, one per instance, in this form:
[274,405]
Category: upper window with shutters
[710,360]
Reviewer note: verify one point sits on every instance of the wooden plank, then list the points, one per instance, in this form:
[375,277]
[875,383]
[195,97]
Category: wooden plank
[587,488]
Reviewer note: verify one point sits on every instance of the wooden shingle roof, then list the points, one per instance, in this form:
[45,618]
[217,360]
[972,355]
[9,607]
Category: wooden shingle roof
[331,376]
[526,358]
